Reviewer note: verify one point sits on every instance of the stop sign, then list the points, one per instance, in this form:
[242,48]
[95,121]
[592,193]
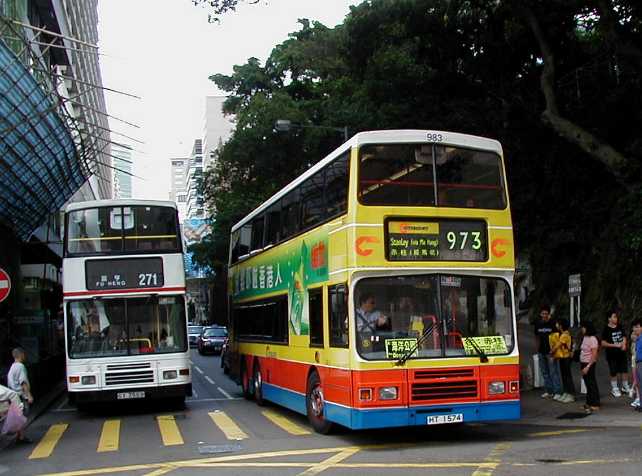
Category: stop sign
[5,285]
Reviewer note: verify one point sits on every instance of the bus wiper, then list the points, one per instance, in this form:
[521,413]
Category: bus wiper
[483,358]
[424,335]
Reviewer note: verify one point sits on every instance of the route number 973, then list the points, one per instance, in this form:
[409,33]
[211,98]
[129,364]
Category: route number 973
[459,240]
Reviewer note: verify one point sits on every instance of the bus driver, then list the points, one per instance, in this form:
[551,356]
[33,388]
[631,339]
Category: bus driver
[368,319]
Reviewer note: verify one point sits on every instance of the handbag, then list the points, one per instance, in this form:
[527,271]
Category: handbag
[14,420]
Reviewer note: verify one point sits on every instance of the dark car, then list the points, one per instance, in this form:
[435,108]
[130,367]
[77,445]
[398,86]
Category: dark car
[211,340]
[193,333]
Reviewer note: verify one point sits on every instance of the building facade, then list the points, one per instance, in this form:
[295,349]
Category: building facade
[54,148]
[179,167]
[217,128]
[122,163]
[194,185]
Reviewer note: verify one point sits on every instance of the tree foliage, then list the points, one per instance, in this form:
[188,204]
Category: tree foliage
[557,82]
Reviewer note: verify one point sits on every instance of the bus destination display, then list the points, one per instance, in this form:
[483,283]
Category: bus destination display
[126,273]
[436,240]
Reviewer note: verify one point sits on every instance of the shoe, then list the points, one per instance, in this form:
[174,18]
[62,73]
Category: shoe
[24,441]
[626,390]
[635,403]
[546,395]
[616,392]
[567,398]
[557,397]
[594,409]
[631,393]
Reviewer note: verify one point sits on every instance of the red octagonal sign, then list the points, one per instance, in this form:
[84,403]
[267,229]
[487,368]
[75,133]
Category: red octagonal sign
[5,285]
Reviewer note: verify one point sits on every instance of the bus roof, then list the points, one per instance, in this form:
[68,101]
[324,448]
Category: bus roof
[118,203]
[380,137]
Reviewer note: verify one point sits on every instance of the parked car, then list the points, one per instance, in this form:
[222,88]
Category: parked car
[193,333]
[211,340]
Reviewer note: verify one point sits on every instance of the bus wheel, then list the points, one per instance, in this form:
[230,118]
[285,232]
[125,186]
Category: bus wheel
[315,405]
[258,384]
[245,382]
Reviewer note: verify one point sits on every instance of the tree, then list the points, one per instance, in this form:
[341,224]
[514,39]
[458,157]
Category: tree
[556,82]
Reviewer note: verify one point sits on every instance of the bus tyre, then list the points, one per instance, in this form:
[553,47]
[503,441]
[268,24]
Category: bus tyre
[257,380]
[315,405]
[246,384]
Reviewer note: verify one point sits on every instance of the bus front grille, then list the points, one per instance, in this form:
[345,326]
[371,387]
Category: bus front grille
[127,378]
[444,390]
[129,366]
[444,373]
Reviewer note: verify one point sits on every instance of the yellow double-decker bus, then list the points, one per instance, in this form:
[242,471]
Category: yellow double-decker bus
[376,289]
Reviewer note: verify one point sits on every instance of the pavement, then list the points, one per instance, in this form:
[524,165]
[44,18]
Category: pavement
[614,412]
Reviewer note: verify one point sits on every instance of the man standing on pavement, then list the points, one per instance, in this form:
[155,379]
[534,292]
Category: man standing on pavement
[543,328]
[17,378]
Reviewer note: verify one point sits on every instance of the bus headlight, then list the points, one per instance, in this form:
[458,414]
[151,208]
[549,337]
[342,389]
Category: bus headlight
[388,393]
[88,380]
[169,374]
[496,388]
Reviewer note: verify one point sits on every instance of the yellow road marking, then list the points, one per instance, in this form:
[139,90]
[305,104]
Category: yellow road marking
[46,446]
[170,433]
[329,463]
[492,460]
[110,436]
[227,426]
[555,433]
[285,423]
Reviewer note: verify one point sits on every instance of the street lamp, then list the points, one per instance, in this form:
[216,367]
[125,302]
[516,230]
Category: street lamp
[284,125]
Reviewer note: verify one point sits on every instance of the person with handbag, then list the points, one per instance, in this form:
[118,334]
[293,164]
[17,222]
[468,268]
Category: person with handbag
[588,361]
[12,420]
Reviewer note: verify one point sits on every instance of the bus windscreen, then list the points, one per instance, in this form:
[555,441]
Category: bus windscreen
[126,326]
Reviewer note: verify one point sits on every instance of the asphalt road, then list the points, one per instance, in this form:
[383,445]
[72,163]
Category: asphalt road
[220,432]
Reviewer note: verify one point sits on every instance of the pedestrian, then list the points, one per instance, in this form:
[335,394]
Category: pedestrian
[561,349]
[615,342]
[554,367]
[18,380]
[7,398]
[636,352]
[588,361]
[543,328]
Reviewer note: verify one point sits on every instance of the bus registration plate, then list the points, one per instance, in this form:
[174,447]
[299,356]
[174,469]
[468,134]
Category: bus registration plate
[442,419]
[129,395]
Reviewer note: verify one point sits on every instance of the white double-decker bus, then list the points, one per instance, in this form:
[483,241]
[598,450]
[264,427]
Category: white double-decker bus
[124,302]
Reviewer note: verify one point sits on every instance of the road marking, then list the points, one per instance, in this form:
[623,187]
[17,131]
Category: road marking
[62,404]
[284,423]
[227,395]
[210,380]
[170,433]
[555,433]
[191,400]
[227,426]
[46,446]
[194,394]
[110,436]
[198,369]
[492,460]
[329,462]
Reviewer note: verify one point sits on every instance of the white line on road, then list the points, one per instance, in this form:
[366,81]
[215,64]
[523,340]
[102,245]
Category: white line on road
[210,380]
[194,394]
[215,399]
[62,404]
[199,370]
[227,395]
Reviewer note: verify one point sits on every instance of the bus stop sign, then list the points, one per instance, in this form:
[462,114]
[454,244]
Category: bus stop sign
[5,285]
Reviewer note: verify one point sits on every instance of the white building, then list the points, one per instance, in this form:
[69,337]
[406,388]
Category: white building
[217,128]
[122,163]
[178,183]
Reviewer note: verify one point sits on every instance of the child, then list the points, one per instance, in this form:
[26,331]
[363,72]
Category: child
[588,360]
[636,353]
[562,353]
[17,378]
[614,341]
[554,368]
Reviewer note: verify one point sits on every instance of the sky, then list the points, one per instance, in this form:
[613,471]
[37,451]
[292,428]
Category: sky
[165,50]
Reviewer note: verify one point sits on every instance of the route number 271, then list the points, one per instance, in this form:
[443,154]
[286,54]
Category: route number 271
[147,279]
[459,240]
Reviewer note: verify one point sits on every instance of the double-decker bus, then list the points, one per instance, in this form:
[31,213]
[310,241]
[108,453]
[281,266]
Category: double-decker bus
[375,290]
[124,302]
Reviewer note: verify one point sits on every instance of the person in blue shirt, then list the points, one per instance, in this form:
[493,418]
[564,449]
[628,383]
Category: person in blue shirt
[637,335]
